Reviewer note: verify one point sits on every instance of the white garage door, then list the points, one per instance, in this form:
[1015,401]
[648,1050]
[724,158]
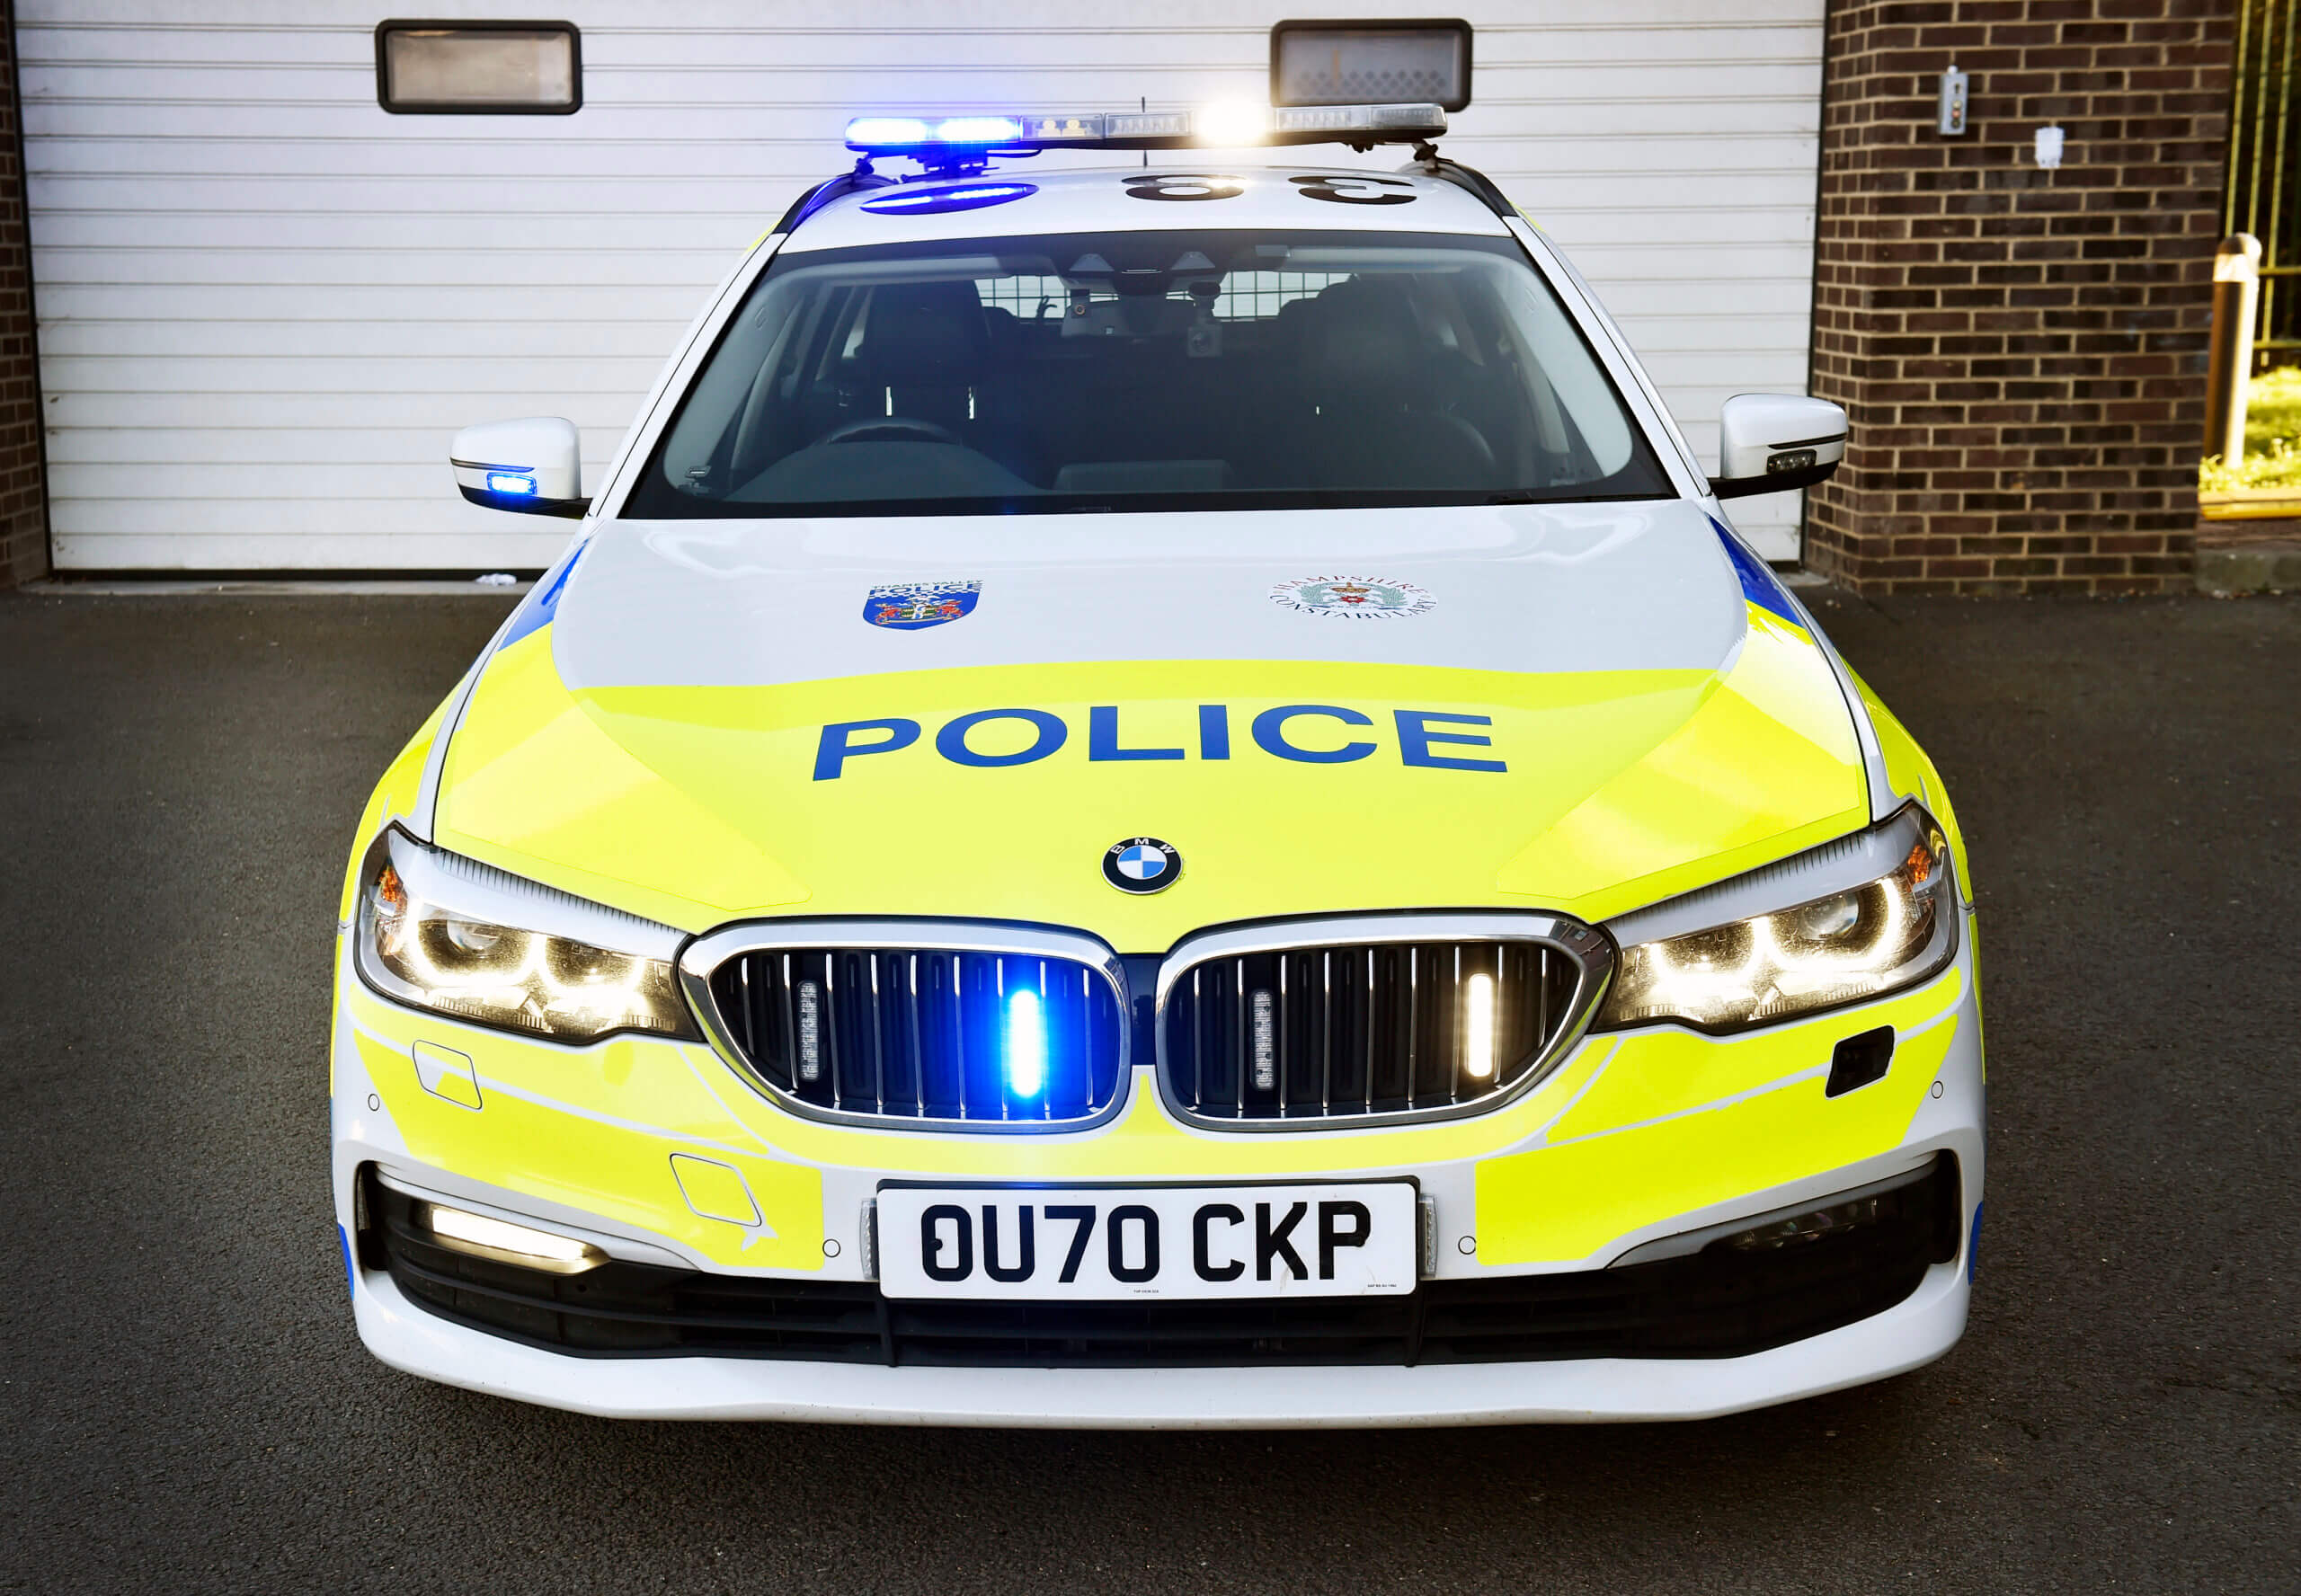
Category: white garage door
[265,305]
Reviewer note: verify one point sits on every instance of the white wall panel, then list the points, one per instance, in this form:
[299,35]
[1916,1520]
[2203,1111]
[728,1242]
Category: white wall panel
[265,305]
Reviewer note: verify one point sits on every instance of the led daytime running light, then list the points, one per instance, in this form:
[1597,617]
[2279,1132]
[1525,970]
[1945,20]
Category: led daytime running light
[481,1237]
[1877,938]
[430,957]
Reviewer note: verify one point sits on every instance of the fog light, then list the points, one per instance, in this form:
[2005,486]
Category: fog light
[1798,1229]
[503,1242]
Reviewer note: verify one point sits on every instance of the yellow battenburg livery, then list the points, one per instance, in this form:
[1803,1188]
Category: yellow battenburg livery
[1156,797]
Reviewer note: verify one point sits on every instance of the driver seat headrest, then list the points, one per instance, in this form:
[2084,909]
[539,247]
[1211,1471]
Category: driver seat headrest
[924,334]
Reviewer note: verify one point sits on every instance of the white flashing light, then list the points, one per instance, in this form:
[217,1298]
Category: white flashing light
[508,482]
[1025,1043]
[1233,123]
[1478,1027]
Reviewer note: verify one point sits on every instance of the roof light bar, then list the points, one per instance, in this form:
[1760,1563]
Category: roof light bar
[937,139]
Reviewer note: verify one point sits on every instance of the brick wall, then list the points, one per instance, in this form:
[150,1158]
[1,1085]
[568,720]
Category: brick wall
[24,494]
[2021,351]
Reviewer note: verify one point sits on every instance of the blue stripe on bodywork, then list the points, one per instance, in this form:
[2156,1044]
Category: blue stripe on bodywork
[351,1281]
[1759,584]
[542,603]
[1973,1246]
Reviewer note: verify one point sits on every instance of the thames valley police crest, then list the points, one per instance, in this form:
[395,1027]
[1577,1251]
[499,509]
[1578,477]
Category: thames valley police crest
[908,606]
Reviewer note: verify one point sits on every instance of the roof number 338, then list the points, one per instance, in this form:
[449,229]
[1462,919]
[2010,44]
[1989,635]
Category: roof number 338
[1337,190]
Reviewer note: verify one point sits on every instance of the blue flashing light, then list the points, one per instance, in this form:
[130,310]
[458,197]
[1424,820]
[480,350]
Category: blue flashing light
[887,132]
[508,482]
[1025,1043]
[978,130]
[963,141]
[935,201]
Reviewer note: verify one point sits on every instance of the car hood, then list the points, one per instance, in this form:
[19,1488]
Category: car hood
[1583,708]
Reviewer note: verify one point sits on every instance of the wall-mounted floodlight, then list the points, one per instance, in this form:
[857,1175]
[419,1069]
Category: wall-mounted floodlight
[1355,63]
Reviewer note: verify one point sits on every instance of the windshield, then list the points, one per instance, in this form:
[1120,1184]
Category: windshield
[1129,371]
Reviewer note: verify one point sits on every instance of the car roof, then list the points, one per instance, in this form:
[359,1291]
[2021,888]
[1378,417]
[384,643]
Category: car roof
[1117,198]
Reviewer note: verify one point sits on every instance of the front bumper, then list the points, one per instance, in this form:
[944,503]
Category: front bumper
[1919,1330]
[1635,1139]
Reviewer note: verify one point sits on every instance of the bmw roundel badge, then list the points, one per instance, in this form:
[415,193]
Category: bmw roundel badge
[1141,865]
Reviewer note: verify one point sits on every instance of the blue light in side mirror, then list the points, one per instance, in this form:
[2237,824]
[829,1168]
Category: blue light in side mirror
[506,482]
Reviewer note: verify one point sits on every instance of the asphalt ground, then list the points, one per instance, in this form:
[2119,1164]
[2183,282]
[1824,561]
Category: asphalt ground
[184,1407]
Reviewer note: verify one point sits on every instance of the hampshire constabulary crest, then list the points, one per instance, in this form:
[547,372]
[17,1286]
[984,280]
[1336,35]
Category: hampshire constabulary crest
[907,607]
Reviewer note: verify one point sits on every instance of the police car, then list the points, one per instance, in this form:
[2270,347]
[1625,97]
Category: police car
[1158,796]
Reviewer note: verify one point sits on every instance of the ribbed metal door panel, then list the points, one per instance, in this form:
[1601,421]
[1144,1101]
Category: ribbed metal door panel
[265,305]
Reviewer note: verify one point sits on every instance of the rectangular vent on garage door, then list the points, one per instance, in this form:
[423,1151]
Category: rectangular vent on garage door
[479,69]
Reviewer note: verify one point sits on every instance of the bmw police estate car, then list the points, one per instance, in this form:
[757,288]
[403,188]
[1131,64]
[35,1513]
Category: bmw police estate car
[1158,796]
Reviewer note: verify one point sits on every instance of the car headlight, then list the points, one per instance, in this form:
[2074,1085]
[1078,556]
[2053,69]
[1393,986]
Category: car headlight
[441,932]
[1864,916]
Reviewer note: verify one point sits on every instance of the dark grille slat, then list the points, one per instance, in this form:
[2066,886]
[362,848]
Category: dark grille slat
[1413,1022]
[1457,1052]
[1361,1029]
[876,1024]
[786,1021]
[917,1043]
[828,1028]
[1238,1023]
[1281,1037]
[1326,1030]
[959,1032]
[1367,1025]
[919,1034]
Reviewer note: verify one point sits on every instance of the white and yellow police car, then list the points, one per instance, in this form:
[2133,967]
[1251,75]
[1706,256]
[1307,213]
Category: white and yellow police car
[1158,796]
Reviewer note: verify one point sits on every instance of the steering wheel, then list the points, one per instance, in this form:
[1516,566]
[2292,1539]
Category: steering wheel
[886,430]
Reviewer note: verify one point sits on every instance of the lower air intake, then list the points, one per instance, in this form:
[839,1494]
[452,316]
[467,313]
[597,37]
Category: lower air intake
[1723,1301]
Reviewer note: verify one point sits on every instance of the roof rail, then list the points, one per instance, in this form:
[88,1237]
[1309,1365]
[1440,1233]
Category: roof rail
[1468,178]
[832,188]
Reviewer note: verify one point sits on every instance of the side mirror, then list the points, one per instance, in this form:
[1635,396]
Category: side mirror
[1769,443]
[533,466]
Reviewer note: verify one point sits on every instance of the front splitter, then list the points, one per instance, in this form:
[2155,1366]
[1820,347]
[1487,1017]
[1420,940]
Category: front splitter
[1597,1390]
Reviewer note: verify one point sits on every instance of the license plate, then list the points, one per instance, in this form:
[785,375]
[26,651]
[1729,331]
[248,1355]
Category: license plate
[1124,1243]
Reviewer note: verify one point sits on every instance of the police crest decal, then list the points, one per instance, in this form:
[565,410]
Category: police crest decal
[910,606]
[1360,598]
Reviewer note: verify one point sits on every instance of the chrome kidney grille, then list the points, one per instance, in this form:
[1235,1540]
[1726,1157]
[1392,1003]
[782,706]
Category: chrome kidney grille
[1371,1030]
[987,1038]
